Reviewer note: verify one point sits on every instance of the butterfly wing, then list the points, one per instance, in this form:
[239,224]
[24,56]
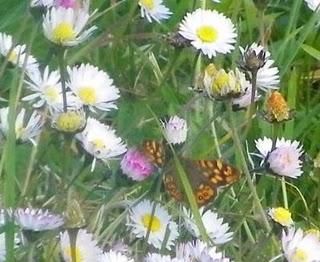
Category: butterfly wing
[154,151]
[205,176]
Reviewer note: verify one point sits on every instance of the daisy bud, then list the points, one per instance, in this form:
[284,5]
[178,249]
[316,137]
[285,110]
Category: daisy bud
[281,215]
[220,84]
[136,166]
[253,60]
[176,130]
[71,121]
[277,108]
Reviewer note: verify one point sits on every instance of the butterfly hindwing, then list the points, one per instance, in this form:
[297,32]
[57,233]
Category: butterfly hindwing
[205,176]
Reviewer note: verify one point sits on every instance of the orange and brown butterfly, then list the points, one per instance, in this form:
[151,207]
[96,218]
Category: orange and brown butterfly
[205,176]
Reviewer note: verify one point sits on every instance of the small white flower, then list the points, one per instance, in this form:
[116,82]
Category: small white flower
[175,130]
[268,75]
[284,159]
[141,218]
[93,87]
[47,91]
[100,141]
[216,229]
[299,246]
[154,9]
[199,251]
[24,131]
[86,247]
[37,219]
[64,26]
[42,3]
[245,100]
[17,54]
[113,256]
[209,31]
[313,4]
[216,1]
[281,215]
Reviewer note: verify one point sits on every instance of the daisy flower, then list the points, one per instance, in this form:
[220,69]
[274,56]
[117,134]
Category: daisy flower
[300,246]
[141,220]
[284,159]
[313,4]
[175,130]
[281,215]
[17,54]
[65,26]
[268,75]
[209,31]
[71,121]
[113,256]
[136,165]
[37,219]
[100,141]
[216,229]
[199,251]
[86,247]
[154,9]
[24,130]
[47,91]
[93,87]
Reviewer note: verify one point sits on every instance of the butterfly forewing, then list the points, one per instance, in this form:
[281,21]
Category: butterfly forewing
[155,151]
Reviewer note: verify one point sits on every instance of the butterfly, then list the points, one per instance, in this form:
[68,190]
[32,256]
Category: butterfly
[205,176]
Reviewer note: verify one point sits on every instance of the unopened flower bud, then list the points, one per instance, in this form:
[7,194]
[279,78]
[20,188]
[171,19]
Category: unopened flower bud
[277,108]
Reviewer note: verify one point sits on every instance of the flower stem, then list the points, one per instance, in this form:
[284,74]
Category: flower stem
[246,171]
[62,68]
[284,192]
[252,108]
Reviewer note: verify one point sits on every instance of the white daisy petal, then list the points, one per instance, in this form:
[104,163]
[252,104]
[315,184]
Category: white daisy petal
[93,87]
[154,9]
[86,247]
[65,26]
[37,219]
[113,256]
[17,54]
[140,218]
[313,4]
[300,246]
[175,130]
[216,229]
[100,140]
[209,31]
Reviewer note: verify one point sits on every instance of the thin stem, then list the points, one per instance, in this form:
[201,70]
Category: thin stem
[213,130]
[63,78]
[246,171]
[248,231]
[284,192]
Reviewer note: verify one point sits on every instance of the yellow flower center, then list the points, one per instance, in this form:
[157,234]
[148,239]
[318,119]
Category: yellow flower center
[151,222]
[88,95]
[68,252]
[98,143]
[12,57]
[63,32]
[282,216]
[220,82]
[51,94]
[149,4]
[70,121]
[207,34]
[300,256]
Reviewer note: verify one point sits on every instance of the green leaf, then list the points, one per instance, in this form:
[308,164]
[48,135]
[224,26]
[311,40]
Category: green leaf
[311,51]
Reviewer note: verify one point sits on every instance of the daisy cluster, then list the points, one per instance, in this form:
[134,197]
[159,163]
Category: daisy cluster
[73,100]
